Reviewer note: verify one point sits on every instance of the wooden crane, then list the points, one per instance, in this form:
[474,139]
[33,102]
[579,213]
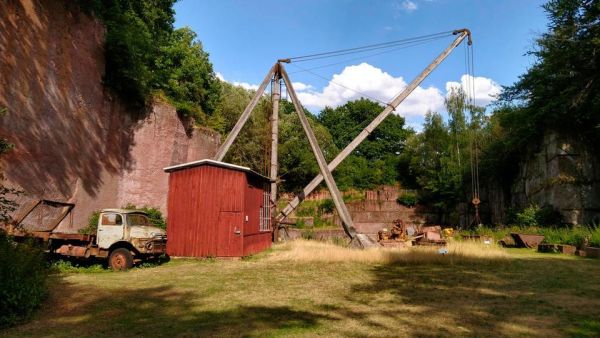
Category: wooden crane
[277,73]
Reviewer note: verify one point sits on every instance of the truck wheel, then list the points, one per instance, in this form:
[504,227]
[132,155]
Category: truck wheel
[120,259]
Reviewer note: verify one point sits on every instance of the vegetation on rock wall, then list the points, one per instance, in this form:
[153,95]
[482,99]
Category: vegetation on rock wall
[145,54]
[559,93]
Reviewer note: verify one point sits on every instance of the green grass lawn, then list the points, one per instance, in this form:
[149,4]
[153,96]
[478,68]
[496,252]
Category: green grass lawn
[528,294]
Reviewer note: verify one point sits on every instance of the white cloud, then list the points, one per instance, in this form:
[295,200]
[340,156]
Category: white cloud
[485,89]
[299,86]
[244,85]
[377,84]
[406,6]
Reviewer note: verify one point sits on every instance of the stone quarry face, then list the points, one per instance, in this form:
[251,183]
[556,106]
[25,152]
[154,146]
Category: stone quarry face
[74,140]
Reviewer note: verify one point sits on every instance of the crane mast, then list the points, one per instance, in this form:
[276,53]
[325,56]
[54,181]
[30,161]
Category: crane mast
[293,204]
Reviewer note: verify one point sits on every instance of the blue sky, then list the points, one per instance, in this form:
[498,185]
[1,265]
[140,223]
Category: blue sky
[244,38]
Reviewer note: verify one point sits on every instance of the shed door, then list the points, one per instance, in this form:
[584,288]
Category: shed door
[230,236]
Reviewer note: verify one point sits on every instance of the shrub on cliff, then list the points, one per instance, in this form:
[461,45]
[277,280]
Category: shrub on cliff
[145,54]
[408,199]
[23,282]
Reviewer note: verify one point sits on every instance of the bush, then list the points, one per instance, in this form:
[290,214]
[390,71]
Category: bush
[533,215]
[408,199]
[154,214]
[326,206]
[92,225]
[75,266]
[23,281]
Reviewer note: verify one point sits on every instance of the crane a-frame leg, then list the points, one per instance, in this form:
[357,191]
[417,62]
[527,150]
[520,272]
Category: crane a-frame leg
[314,144]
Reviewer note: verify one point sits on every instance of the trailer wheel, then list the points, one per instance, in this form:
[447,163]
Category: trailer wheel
[120,259]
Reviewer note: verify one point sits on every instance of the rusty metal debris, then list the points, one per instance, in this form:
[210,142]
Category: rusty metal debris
[527,240]
[403,235]
[557,248]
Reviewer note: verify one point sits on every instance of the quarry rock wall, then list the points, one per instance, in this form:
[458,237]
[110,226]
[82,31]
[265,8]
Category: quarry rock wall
[76,141]
[564,173]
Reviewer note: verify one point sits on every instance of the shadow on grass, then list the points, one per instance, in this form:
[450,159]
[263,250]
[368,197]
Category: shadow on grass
[160,312]
[538,297]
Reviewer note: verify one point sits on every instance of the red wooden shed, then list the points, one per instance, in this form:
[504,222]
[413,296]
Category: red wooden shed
[217,209]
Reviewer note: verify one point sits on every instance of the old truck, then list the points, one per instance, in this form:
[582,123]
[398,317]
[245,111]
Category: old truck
[123,236]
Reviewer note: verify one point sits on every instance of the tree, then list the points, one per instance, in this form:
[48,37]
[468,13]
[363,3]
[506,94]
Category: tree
[135,31]
[252,145]
[144,54]
[232,102]
[347,121]
[561,91]
[296,160]
[376,160]
[439,158]
[184,73]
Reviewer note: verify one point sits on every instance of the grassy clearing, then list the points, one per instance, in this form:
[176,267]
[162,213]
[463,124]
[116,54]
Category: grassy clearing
[308,289]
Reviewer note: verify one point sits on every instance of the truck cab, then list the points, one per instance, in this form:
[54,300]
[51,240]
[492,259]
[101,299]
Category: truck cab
[123,236]
[127,235]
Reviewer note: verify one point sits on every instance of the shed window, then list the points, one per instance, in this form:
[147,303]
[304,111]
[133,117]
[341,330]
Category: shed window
[265,209]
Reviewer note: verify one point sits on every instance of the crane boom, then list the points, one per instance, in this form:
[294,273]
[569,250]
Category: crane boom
[462,34]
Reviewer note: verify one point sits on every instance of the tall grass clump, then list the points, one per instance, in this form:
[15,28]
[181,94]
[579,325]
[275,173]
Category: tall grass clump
[23,274]
[459,252]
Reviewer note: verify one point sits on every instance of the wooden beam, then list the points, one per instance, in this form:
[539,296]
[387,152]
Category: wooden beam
[369,129]
[276,96]
[325,172]
[244,117]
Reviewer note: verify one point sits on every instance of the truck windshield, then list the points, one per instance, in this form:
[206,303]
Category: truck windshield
[137,219]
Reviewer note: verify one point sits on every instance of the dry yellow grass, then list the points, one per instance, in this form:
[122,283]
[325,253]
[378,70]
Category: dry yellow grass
[458,252]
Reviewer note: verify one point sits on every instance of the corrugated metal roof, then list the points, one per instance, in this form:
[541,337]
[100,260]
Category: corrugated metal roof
[215,164]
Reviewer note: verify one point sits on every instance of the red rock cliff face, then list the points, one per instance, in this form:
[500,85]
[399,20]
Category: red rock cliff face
[74,140]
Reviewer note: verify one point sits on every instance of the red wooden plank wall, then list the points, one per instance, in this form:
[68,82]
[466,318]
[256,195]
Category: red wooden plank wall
[197,196]
[254,240]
